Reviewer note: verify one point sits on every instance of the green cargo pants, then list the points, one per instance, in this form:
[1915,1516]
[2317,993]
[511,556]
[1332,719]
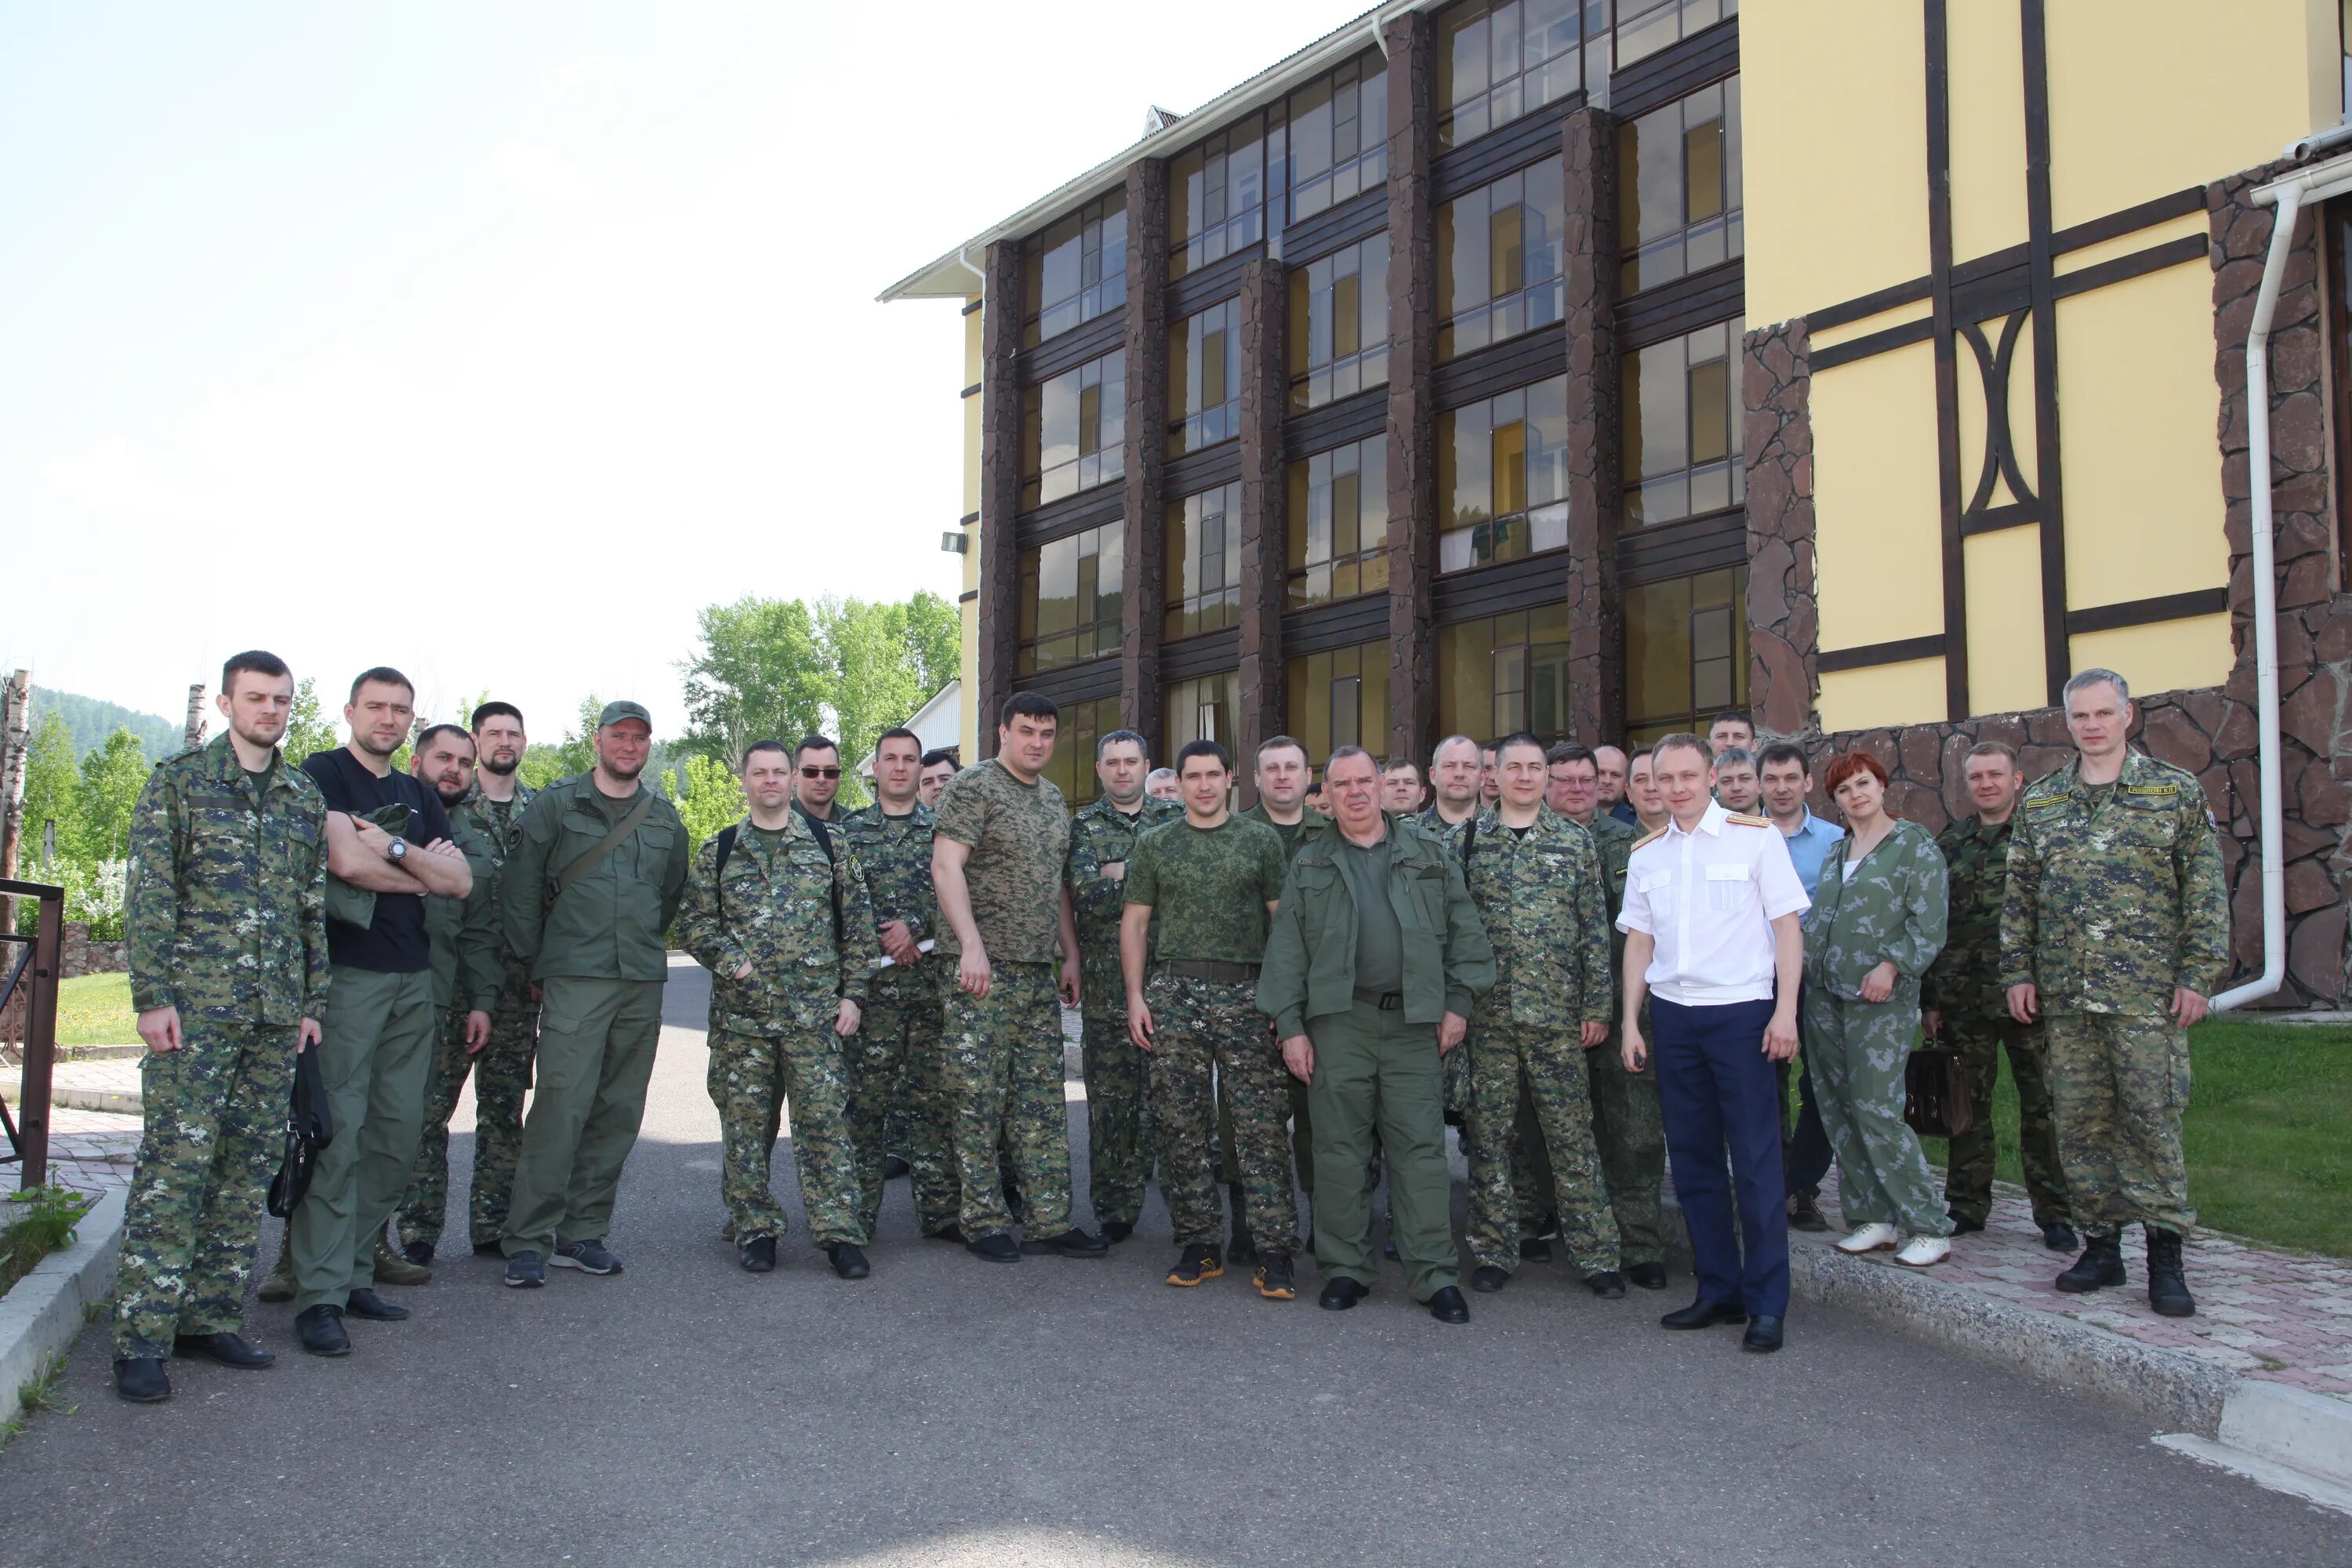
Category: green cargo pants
[375,1052]
[2119,1084]
[596,1041]
[1968,1183]
[1379,1088]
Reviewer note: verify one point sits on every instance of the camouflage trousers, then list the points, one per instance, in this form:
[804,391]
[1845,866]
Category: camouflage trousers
[501,1074]
[1120,1139]
[1631,1134]
[751,1078]
[1205,1033]
[214,1112]
[895,1089]
[2120,1084]
[1003,1081]
[1968,1183]
[1859,1050]
[1509,1059]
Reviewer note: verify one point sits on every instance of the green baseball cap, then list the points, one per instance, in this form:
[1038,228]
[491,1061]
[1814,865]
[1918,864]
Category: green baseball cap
[616,711]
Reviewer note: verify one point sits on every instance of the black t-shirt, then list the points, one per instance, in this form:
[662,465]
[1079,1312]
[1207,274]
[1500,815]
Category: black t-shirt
[396,944]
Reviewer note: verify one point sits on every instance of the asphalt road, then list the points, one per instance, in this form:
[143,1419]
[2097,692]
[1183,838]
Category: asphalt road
[949,1412]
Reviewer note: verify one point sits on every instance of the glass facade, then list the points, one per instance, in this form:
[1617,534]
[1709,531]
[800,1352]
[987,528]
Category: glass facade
[1499,261]
[1075,270]
[1339,699]
[1070,594]
[1679,193]
[1498,59]
[1339,136]
[1072,766]
[1339,326]
[1217,192]
[1338,522]
[1506,673]
[1204,562]
[1502,477]
[1685,658]
[1685,429]
[1205,378]
[1645,27]
[1203,709]
[1073,431]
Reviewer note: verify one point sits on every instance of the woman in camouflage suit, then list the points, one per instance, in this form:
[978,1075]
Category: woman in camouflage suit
[1877,922]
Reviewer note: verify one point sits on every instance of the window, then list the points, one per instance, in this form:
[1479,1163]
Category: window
[1502,477]
[1203,709]
[1338,523]
[1073,430]
[1339,327]
[1505,674]
[1499,261]
[1645,27]
[1204,562]
[1075,270]
[1498,59]
[1071,768]
[1217,192]
[1339,136]
[1204,379]
[1684,427]
[1070,594]
[1685,660]
[1678,204]
[1339,699]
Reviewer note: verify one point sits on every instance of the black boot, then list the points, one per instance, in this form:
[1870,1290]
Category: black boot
[139,1379]
[2168,1287]
[1243,1248]
[2101,1263]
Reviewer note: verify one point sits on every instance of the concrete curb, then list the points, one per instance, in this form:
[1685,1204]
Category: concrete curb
[42,1315]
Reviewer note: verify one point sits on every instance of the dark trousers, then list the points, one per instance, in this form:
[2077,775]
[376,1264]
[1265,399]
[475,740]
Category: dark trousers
[1717,1088]
[1805,1152]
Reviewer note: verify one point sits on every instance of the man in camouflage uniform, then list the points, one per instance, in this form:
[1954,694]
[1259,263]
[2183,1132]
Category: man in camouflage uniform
[1966,1009]
[1211,882]
[226,915]
[1102,839]
[2114,931]
[787,932]
[1535,879]
[1000,837]
[1459,772]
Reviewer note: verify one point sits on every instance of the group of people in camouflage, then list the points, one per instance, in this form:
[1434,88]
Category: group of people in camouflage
[1271,1000]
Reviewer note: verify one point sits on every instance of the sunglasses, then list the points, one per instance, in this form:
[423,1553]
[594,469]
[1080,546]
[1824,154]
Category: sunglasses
[820,773]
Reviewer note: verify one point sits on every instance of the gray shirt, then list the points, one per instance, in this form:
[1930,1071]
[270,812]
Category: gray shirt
[1380,940]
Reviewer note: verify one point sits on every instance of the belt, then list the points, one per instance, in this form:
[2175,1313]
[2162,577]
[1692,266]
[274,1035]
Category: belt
[1386,1001]
[1209,969]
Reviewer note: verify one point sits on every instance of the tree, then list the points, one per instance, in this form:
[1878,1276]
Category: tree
[712,797]
[577,754]
[52,791]
[308,729]
[760,674]
[111,778]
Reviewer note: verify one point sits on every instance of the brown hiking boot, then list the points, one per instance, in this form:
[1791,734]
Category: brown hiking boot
[393,1268]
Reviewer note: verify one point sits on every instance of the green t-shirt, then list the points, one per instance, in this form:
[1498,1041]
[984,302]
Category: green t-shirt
[1380,939]
[1293,833]
[1208,887]
[1018,835]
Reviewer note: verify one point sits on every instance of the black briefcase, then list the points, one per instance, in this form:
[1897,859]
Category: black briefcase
[309,1129]
[1936,1094]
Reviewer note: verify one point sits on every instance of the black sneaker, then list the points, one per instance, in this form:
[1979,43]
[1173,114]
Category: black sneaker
[1071,1243]
[758,1255]
[1273,1280]
[997,1247]
[1199,1262]
[527,1270]
[589,1257]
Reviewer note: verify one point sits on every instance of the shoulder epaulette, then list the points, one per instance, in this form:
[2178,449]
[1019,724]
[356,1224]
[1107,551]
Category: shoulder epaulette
[1746,820]
[1649,838]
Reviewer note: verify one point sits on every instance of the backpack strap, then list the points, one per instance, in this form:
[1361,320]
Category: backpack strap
[595,854]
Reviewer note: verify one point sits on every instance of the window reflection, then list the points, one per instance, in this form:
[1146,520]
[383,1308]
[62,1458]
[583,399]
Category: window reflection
[1684,427]
[1070,594]
[1201,709]
[1075,270]
[1204,562]
[1678,188]
[1645,27]
[1072,766]
[1339,326]
[1502,477]
[1498,59]
[1218,190]
[1339,136]
[1339,699]
[1685,658]
[1337,523]
[1073,431]
[1205,378]
[1499,258]
[1504,673]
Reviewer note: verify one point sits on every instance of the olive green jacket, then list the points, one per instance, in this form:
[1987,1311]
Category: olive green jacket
[610,924]
[1309,970]
[467,940]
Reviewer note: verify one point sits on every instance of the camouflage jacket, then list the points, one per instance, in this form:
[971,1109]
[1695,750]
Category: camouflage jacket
[2112,903]
[1543,901]
[1965,980]
[1293,835]
[894,854]
[772,908]
[1892,910]
[467,938]
[609,924]
[500,826]
[1613,840]
[1101,834]
[1449,834]
[226,907]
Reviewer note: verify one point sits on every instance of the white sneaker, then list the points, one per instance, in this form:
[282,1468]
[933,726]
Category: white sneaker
[1870,1238]
[1924,1251]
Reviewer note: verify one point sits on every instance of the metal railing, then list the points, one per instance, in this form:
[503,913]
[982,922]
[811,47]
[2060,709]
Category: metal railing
[34,977]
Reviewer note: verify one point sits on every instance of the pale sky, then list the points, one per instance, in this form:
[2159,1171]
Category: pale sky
[491,340]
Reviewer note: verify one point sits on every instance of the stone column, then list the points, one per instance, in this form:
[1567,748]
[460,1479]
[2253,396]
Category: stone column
[1783,630]
[1000,486]
[1258,686]
[1596,630]
[1412,401]
[1144,611]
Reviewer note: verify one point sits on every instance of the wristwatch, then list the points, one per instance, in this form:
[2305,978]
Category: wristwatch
[396,851]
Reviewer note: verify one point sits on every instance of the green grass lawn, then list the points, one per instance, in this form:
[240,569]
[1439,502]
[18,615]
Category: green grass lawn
[2268,1133]
[94,1010]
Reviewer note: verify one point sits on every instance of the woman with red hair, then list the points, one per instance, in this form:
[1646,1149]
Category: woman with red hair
[1877,922]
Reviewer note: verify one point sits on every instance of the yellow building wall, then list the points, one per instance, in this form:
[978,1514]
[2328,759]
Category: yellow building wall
[2004,621]
[1877,530]
[974,360]
[1987,71]
[1884,694]
[2172,655]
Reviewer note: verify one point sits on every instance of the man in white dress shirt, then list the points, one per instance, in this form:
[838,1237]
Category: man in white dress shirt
[1712,940]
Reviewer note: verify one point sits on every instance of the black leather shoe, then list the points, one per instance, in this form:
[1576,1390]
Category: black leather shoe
[139,1379]
[1962,1225]
[1340,1293]
[321,1329]
[365,1304]
[230,1350]
[848,1261]
[1535,1249]
[1608,1285]
[946,1233]
[1805,1213]
[996,1247]
[1448,1307]
[1117,1230]
[1648,1275]
[2059,1237]
[1071,1243]
[758,1256]
[1487,1279]
[1763,1335]
[1704,1315]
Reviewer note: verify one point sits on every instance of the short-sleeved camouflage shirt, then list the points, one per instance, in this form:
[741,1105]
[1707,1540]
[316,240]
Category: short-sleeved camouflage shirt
[1018,834]
[1208,887]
